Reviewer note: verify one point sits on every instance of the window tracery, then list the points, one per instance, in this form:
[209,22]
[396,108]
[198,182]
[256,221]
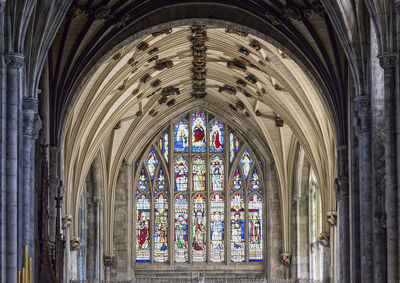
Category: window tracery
[214,212]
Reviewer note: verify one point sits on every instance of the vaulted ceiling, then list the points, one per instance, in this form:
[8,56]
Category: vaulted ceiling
[116,74]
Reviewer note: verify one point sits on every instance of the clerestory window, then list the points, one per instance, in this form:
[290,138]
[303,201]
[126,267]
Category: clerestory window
[199,195]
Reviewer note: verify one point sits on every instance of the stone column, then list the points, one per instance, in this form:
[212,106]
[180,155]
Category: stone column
[363,127]
[388,62]
[2,5]
[342,197]
[14,63]
[31,127]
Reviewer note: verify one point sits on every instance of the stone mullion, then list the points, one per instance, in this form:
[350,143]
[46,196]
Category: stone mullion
[172,195]
[227,223]
[342,194]
[208,191]
[363,126]
[246,222]
[190,193]
[388,62]
[13,99]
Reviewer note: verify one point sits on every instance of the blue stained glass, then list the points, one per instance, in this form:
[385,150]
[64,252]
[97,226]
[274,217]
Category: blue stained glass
[199,132]
[255,180]
[237,145]
[237,180]
[242,191]
[198,174]
[161,229]
[216,137]
[148,192]
[246,162]
[137,192]
[137,163]
[142,229]
[152,162]
[142,181]
[217,174]
[155,192]
[161,180]
[259,161]
[217,228]
[260,191]
[210,117]
[181,228]
[166,191]
[199,228]
[181,174]
[237,228]
[231,191]
[181,137]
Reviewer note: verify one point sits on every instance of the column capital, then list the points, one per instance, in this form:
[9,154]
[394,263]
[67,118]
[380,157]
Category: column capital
[342,160]
[341,187]
[31,123]
[14,60]
[362,121]
[387,60]
[2,5]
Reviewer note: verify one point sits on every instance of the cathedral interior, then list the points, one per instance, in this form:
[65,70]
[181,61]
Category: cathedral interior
[199,141]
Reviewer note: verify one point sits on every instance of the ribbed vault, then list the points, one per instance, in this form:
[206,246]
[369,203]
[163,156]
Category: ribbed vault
[120,107]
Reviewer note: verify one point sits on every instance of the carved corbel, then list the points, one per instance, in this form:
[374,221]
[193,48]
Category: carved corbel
[286,259]
[75,244]
[31,120]
[324,239]
[331,218]
[387,61]
[66,222]
[108,260]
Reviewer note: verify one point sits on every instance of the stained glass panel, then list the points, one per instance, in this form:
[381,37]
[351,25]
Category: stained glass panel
[166,147]
[237,180]
[142,181]
[217,174]
[161,229]
[217,228]
[255,181]
[246,162]
[237,145]
[237,228]
[199,132]
[198,174]
[160,181]
[199,228]
[231,148]
[152,162]
[143,229]
[216,137]
[181,137]
[181,228]
[255,228]
[181,174]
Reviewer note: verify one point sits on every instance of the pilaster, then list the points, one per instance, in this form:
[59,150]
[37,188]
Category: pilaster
[14,63]
[363,129]
[388,62]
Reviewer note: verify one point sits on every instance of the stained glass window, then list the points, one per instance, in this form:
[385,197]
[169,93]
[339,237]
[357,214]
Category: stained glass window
[181,174]
[237,180]
[255,228]
[161,229]
[216,137]
[237,228]
[181,228]
[142,181]
[181,135]
[143,229]
[199,228]
[184,224]
[231,147]
[198,132]
[217,173]
[217,228]
[198,174]
[246,162]
[152,162]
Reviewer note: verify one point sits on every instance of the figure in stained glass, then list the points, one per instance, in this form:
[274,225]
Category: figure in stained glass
[181,174]
[161,180]
[237,180]
[255,228]
[161,229]
[217,173]
[217,228]
[142,180]
[181,228]
[246,162]
[198,174]
[255,181]
[199,228]
[199,132]
[216,137]
[143,229]
[166,146]
[237,228]
[181,135]
[152,162]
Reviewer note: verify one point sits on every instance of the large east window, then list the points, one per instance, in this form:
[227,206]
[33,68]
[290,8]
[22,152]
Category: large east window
[199,195]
